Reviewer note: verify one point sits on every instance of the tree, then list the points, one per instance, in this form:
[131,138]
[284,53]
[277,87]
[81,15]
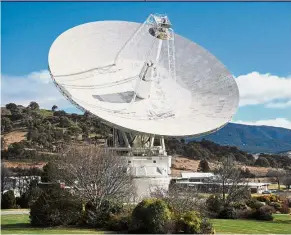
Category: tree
[16,149]
[86,115]
[180,199]
[8,200]
[75,130]
[278,174]
[93,175]
[5,173]
[54,108]
[55,207]
[6,124]
[64,121]
[247,173]
[287,180]
[60,113]
[12,107]
[47,175]
[33,105]
[262,161]
[3,142]
[230,181]
[15,111]
[203,166]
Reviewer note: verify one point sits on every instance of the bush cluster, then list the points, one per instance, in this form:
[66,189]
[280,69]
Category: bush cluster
[264,213]
[55,207]
[8,200]
[156,216]
[268,198]
[98,212]
[228,213]
[254,203]
[251,209]
[151,216]
[284,209]
[214,205]
[273,201]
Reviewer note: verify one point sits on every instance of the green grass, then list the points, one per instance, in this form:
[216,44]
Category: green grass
[275,186]
[280,225]
[46,113]
[19,224]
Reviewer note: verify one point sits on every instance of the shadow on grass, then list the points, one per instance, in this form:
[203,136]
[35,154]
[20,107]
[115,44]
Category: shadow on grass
[18,226]
[22,226]
[280,222]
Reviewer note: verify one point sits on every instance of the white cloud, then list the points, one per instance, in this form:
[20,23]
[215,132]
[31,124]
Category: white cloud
[256,88]
[36,86]
[277,122]
[279,105]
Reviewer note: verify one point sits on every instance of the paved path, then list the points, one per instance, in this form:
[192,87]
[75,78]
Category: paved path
[15,212]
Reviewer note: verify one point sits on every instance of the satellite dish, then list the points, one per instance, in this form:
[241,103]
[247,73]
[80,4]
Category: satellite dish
[143,78]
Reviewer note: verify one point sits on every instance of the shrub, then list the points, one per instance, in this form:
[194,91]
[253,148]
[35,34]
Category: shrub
[214,205]
[191,222]
[203,166]
[254,204]
[262,161]
[264,213]
[268,198]
[273,198]
[276,205]
[150,216]
[285,207]
[27,198]
[206,227]
[55,207]
[239,206]
[246,214]
[97,214]
[262,199]
[8,200]
[228,213]
[119,222]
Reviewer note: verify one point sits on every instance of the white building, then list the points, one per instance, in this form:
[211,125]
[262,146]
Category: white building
[206,181]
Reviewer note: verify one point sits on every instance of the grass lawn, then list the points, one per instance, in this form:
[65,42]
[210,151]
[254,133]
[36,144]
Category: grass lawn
[275,186]
[280,225]
[19,224]
[46,113]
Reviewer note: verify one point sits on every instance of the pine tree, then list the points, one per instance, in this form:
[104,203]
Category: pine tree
[203,166]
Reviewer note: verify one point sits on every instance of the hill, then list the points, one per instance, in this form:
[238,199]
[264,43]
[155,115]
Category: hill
[33,133]
[252,139]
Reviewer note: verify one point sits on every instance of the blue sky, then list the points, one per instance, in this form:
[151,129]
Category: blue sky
[252,39]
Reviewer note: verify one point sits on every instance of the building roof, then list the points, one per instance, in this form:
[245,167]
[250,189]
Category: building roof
[196,175]
[250,184]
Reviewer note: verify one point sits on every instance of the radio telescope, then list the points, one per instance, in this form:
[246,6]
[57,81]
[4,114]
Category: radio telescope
[147,83]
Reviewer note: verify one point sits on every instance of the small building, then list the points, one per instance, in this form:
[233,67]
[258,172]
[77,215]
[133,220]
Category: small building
[193,177]
[205,182]
[258,187]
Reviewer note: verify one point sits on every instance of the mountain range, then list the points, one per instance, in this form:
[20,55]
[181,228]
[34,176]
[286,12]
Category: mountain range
[252,139]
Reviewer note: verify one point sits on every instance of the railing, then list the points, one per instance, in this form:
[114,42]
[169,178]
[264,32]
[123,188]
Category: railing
[154,151]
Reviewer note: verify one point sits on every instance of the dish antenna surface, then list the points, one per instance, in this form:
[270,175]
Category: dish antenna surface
[143,78]
[145,82]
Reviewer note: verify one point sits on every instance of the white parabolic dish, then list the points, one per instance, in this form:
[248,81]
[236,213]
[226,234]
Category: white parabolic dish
[83,64]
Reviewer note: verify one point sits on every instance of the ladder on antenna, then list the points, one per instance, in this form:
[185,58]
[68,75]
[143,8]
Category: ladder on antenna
[171,56]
